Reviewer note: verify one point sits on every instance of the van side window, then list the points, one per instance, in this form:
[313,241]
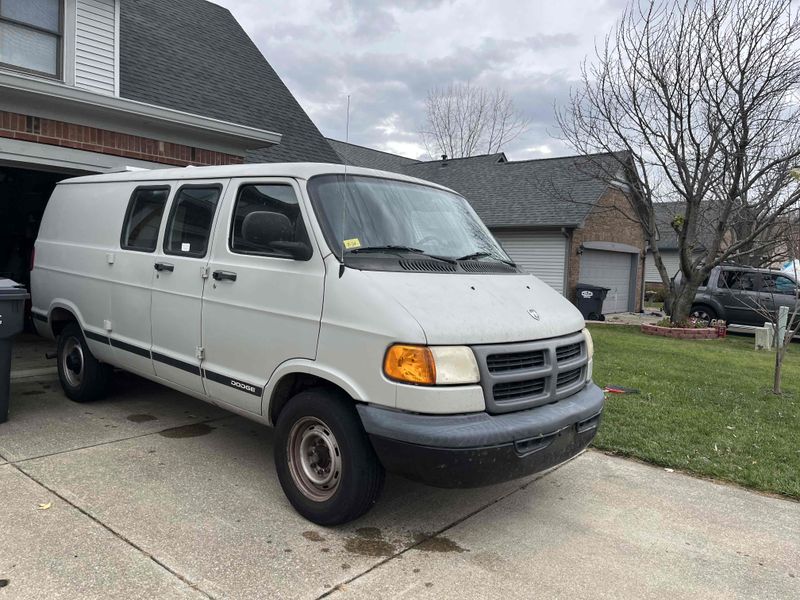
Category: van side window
[190,220]
[143,219]
[267,222]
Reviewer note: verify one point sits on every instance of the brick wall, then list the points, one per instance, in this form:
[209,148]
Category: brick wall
[80,137]
[610,220]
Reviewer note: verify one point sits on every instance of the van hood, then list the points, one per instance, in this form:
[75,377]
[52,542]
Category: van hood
[480,309]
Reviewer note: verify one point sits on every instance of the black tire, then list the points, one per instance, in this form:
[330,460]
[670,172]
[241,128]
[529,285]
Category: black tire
[83,378]
[319,423]
[701,312]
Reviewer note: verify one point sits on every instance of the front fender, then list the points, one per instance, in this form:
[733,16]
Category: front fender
[309,367]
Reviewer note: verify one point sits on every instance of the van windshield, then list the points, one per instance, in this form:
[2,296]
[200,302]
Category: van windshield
[370,214]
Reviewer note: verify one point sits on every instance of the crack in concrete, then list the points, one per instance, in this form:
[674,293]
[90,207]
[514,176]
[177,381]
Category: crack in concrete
[191,584]
[109,442]
[446,528]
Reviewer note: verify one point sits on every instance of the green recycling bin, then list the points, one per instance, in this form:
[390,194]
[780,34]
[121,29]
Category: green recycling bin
[12,313]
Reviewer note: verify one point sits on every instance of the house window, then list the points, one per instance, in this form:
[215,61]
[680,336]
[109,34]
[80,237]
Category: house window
[31,34]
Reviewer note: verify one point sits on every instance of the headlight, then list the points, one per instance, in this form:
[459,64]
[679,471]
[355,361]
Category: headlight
[431,365]
[589,343]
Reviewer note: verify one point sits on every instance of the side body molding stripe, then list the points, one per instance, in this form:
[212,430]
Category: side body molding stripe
[247,388]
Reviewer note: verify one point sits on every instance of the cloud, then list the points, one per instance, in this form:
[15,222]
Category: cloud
[387,56]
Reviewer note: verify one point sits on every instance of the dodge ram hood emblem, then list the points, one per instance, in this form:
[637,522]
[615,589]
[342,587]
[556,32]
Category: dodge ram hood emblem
[533,313]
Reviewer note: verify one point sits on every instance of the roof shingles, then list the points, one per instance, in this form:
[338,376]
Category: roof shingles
[193,56]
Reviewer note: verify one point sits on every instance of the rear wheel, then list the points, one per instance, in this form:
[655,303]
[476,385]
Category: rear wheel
[324,459]
[703,313]
[82,376]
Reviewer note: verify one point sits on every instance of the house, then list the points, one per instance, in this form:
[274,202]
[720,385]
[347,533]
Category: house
[553,216]
[88,86]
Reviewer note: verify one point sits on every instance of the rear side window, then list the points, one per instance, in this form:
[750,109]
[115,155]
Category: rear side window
[190,220]
[267,221]
[739,280]
[143,219]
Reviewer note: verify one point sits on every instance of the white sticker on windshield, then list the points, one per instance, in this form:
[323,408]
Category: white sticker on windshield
[186,247]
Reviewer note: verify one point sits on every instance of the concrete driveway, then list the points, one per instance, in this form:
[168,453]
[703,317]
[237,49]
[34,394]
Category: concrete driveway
[151,494]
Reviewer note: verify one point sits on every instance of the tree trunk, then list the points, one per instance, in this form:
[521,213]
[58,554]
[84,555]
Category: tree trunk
[682,303]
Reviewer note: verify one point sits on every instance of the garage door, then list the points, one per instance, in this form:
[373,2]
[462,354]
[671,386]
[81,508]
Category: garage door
[540,253]
[611,270]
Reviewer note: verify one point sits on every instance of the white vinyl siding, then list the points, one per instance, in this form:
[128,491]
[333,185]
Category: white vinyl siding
[671,262]
[541,253]
[610,270]
[96,45]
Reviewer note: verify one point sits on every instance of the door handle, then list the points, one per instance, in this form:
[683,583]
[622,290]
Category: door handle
[224,275]
[162,266]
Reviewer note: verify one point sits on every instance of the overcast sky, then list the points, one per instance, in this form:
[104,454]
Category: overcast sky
[387,55]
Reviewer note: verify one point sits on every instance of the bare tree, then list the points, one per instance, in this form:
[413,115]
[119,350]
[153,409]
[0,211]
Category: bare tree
[698,101]
[463,120]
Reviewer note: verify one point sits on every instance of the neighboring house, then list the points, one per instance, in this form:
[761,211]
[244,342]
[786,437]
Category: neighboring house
[88,86]
[553,218]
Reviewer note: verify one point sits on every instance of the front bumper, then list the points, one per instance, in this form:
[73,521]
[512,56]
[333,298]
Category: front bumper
[478,449]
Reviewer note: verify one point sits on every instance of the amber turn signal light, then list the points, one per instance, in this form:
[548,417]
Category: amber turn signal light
[410,364]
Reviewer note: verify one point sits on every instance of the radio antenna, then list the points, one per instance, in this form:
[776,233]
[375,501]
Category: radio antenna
[344,183]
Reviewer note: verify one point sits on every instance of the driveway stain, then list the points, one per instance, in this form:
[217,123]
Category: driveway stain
[314,536]
[369,532]
[368,547]
[33,393]
[141,418]
[369,542]
[437,543]
[187,431]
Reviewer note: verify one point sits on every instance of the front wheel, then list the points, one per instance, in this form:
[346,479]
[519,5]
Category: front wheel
[324,460]
[83,377]
[703,313]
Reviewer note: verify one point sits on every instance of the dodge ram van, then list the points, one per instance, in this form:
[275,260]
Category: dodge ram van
[371,318]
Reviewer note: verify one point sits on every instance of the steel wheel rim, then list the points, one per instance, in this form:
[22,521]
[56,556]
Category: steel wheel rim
[72,361]
[315,461]
[702,315]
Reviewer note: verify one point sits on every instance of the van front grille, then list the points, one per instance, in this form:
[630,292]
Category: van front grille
[567,352]
[518,389]
[515,361]
[567,378]
[528,374]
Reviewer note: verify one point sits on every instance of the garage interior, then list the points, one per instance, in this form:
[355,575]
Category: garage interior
[23,195]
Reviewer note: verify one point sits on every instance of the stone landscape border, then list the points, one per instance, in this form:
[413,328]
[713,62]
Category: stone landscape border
[682,333]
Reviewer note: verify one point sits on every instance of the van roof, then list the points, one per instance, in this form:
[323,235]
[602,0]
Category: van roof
[295,170]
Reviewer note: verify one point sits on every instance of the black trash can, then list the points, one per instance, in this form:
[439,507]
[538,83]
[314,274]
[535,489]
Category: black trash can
[589,300]
[12,313]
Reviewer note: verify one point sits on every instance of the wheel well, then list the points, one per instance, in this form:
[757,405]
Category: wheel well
[59,318]
[292,384]
[705,305]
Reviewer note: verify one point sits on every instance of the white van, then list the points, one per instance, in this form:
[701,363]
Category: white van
[370,317]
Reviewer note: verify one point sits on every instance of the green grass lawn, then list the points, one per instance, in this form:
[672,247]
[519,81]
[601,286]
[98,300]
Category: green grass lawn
[703,406]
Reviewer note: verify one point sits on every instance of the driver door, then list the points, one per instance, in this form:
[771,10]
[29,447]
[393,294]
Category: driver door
[261,306]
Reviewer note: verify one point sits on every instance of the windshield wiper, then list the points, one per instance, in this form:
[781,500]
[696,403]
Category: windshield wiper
[397,249]
[476,255]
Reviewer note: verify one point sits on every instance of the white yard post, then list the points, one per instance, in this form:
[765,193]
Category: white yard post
[783,320]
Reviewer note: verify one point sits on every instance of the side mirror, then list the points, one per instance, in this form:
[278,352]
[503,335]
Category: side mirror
[273,231]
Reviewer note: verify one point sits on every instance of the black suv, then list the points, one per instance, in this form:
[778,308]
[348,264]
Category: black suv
[741,295]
